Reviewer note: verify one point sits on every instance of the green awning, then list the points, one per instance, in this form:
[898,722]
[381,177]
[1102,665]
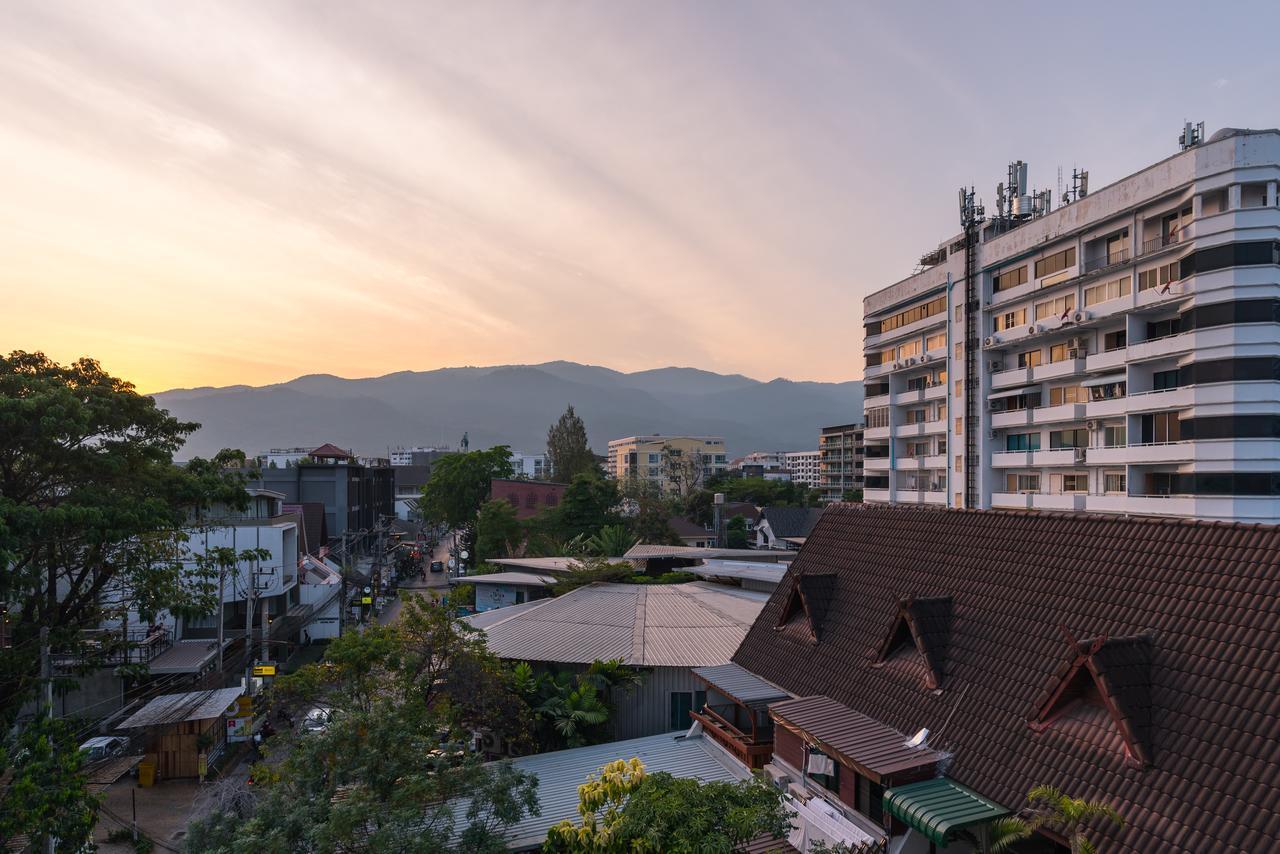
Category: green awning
[938,807]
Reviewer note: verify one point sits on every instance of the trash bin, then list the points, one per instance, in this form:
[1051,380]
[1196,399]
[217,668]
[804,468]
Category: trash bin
[146,773]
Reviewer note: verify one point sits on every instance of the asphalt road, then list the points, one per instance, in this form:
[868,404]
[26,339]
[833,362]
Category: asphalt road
[436,582]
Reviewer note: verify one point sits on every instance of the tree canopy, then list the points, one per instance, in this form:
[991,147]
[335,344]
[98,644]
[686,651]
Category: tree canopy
[460,483]
[567,448]
[626,809]
[391,770]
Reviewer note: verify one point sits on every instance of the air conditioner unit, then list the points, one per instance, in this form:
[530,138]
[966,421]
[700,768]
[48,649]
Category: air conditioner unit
[994,365]
[1074,354]
[990,341]
[1082,316]
[926,357]
[991,434]
[911,361]
[1092,425]
[1035,329]
[897,366]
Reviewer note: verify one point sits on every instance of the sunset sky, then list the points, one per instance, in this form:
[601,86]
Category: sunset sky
[243,192]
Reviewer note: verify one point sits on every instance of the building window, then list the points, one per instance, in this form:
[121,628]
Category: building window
[1163,380]
[959,463]
[1066,394]
[1114,482]
[959,387]
[909,349]
[1074,438]
[1009,279]
[916,416]
[917,383]
[1161,427]
[1107,291]
[959,426]
[1058,353]
[1009,319]
[683,702]
[959,313]
[878,417]
[1030,358]
[1074,482]
[1115,436]
[911,315]
[1162,275]
[1115,340]
[1060,307]
[1110,391]
[959,348]
[1022,442]
[933,342]
[1023,482]
[1056,262]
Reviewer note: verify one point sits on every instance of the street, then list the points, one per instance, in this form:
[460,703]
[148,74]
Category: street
[437,582]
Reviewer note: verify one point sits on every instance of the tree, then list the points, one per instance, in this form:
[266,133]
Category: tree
[611,541]
[736,533]
[1048,806]
[567,448]
[389,770]
[653,523]
[46,794]
[573,709]
[92,512]
[590,503]
[627,809]
[498,531]
[682,472]
[460,483]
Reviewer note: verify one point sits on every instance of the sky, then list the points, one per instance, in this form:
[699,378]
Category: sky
[245,192]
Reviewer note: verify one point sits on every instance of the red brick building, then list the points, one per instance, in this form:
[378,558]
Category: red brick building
[529,497]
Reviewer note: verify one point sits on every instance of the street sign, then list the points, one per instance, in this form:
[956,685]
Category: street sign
[452,563]
[366,600]
[464,554]
[368,590]
[264,669]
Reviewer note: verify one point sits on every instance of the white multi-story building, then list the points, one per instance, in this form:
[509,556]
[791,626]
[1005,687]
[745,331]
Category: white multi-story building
[1120,353]
[532,466]
[417,455]
[805,467]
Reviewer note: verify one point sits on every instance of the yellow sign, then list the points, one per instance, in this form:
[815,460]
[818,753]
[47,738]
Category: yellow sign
[264,670]
[366,600]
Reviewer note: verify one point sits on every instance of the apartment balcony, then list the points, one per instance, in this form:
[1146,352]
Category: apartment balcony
[1107,261]
[1107,408]
[1058,414]
[875,402]
[873,433]
[1109,361]
[878,464]
[1038,500]
[1158,348]
[1250,508]
[1016,418]
[872,371]
[1155,244]
[1040,373]
[1166,452]
[881,495]
[1036,459]
[921,496]
[905,463]
[1163,399]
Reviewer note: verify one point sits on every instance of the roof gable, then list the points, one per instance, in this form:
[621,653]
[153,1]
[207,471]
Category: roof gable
[1207,592]
[806,606]
[1114,674]
[922,624]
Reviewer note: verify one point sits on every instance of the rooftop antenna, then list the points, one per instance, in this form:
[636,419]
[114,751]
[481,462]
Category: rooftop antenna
[1192,135]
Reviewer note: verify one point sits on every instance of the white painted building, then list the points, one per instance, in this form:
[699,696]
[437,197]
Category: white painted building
[532,466]
[1120,353]
[805,467]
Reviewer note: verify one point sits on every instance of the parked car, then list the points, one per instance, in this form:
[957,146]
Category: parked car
[102,747]
[437,566]
[316,719]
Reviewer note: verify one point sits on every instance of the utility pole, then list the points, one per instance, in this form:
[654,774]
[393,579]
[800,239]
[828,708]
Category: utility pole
[46,672]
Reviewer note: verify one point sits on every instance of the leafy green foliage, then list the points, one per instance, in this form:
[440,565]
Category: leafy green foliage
[567,449]
[573,709]
[46,794]
[627,809]
[611,541]
[459,485]
[590,503]
[498,532]
[380,777]
[592,570]
[764,493]
[666,578]
[1050,807]
[653,523]
[736,533]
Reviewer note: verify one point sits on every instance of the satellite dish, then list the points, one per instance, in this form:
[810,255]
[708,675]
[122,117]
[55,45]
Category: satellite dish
[918,739]
[464,554]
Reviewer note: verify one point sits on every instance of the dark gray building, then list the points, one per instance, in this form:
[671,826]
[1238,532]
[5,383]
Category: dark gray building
[355,495]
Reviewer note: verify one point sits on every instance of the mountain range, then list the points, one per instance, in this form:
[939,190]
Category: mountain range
[512,405]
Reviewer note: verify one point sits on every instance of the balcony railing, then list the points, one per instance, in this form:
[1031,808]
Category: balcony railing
[1111,259]
[107,648]
[751,752]
[1157,243]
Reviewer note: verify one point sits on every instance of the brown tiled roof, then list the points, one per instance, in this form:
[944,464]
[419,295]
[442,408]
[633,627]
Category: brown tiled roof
[1178,623]
[329,450]
[923,623]
[876,750]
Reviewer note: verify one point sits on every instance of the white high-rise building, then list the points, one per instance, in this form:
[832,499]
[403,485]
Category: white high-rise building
[805,466]
[1120,353]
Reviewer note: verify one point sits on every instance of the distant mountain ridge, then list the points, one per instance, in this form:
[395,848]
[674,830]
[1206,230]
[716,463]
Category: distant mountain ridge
[512,405]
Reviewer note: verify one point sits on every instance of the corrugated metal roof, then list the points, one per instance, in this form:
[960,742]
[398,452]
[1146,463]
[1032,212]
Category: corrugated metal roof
[644,551]
[863,741]
[939,806]
[184,657]
[676,625]
[175,708]
[767,572]
[562,772]
[735,681]
[486,619]
[545,564]
[511,578]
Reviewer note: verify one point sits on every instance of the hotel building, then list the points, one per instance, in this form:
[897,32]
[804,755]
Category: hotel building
[1117,353]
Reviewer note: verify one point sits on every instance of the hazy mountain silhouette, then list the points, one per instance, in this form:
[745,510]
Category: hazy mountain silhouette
[513,405]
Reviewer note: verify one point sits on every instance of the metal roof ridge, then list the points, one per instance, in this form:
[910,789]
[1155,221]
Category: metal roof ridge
[638,626]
